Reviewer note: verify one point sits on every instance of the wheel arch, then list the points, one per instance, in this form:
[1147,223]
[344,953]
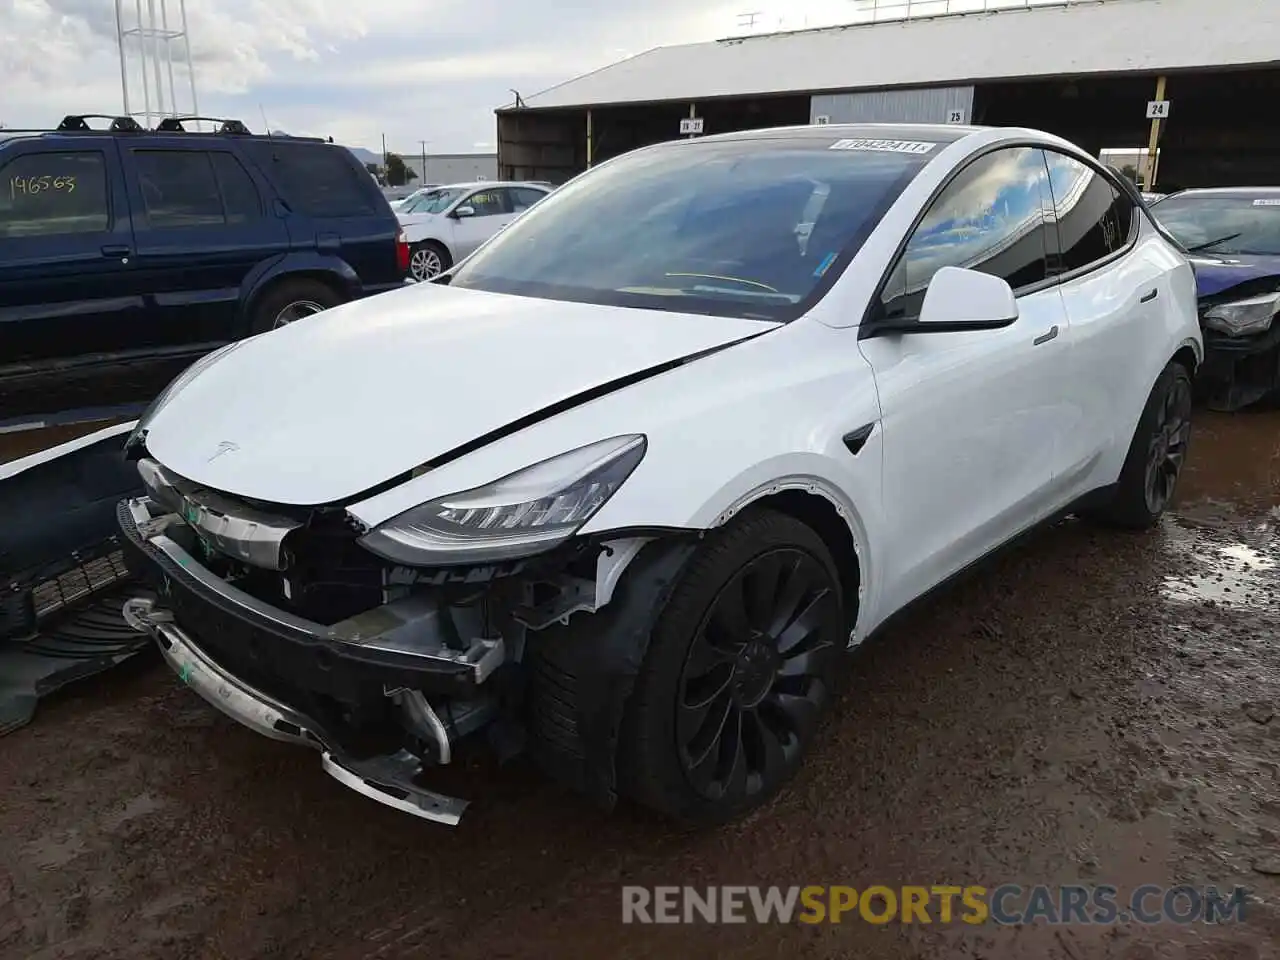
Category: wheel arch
[581,673]
[333,272]
[1188,354]
[426,238]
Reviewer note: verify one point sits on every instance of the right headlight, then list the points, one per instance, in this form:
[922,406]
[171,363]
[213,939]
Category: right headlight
[522,514]
[1243,317]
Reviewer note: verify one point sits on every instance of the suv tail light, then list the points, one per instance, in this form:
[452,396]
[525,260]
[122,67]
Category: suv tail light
[402,251]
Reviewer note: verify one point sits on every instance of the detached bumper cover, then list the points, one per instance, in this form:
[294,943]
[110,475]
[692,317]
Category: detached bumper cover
[386,779]
[283,676]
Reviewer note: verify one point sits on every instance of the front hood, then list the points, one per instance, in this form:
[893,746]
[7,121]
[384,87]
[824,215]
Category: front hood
[1215,274]
[341,402]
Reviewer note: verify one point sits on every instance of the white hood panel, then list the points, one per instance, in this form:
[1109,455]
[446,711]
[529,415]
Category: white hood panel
[335,404]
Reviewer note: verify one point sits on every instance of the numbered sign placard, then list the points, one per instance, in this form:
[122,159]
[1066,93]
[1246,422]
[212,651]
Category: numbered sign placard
[955,116]
[1157,109]
[690,126]
[822,119]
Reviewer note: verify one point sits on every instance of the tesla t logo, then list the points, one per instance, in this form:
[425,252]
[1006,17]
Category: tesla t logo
[226,446]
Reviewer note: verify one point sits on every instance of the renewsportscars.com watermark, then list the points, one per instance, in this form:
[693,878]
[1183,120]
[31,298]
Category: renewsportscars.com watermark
[937,903]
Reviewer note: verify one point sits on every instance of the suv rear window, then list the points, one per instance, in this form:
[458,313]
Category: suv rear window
[316,178]
[43,194]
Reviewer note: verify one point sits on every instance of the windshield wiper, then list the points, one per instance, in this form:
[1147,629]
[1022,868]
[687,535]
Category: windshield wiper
[1212,243]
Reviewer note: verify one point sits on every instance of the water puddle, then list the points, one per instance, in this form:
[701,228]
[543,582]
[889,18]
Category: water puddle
[1216,565]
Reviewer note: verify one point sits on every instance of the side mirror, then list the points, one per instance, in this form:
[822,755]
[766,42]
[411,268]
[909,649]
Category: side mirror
[463,211]
[959,299]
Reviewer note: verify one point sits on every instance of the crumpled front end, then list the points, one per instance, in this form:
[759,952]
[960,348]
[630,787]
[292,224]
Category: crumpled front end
[280,619]
[1238,307]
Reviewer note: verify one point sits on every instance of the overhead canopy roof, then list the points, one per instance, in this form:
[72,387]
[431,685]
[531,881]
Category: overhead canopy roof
[1071,39]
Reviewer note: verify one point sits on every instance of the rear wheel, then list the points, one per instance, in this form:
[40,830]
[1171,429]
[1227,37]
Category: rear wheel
[1156,455]
[428,259]
[292,300]
[740,667]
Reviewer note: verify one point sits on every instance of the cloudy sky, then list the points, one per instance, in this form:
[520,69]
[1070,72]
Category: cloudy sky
[413,69]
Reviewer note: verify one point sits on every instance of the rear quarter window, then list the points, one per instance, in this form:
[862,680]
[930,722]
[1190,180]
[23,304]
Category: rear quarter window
[317,179]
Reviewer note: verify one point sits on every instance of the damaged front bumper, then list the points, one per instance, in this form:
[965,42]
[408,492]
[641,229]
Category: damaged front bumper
[300,681]
[387,779]
[1238,371]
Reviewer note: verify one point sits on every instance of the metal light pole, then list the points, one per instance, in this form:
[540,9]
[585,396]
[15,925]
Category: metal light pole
[146,47]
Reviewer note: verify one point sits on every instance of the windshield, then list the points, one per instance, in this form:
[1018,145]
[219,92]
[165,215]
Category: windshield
[433,201]
[744,228]
[1227,225]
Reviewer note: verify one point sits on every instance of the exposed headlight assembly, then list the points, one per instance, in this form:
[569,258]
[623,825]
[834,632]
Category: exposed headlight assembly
[1243,317]
[524,513]
[172,390]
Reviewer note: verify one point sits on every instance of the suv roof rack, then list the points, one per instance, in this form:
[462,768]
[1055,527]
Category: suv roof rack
[76,121]
[225,126]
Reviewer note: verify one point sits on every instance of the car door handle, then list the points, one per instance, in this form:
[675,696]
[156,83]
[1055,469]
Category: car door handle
[1046,337]
[1148,297]
[116,250]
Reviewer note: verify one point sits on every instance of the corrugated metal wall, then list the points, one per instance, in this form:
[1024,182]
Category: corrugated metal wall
[922,105]
[455,168]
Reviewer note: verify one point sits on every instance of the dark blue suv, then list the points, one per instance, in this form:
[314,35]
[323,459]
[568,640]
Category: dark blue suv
[126,253]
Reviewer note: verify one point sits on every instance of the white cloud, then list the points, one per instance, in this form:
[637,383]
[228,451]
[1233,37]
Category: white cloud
[412,69]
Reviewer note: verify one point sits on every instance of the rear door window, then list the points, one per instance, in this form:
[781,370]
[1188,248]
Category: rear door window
[1094,219]
[522,198]
[46,194]
[178,188]
[316,179]
[240,196]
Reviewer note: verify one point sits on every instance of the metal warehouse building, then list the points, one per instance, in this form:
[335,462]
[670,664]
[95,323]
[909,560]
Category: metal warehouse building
[1084,70]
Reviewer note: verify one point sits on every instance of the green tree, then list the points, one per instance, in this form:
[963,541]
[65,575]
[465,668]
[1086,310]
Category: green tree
[398,174]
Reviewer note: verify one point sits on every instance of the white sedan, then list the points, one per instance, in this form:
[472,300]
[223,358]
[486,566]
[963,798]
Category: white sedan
[446,224]
[625,486]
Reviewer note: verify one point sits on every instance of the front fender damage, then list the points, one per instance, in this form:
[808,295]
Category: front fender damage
[582,671]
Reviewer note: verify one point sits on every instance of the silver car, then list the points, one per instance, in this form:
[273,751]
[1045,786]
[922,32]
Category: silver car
[444,225]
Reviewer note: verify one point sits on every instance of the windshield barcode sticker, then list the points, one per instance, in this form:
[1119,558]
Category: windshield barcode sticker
[884,146]
[1267,203]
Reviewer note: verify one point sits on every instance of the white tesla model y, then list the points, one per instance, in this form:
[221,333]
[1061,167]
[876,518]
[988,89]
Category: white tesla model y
[623,486]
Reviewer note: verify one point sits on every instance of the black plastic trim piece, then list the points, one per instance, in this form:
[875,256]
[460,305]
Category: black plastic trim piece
[889,327]
[581,674]
[855,440]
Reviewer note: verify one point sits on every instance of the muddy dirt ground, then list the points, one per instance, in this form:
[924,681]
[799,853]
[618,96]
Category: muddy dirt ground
[1090,707]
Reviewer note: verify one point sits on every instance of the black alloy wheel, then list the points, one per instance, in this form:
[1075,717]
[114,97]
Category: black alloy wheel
[756,675]
[1167,450]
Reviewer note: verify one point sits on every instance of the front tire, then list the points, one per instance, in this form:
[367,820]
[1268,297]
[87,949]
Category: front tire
[740,667]
[1156,455]
[427,260]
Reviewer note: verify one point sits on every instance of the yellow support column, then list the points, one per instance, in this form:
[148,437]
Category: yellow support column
[1154,143]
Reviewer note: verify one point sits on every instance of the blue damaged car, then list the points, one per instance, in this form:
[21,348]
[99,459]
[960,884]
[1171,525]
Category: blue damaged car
[1232,237]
